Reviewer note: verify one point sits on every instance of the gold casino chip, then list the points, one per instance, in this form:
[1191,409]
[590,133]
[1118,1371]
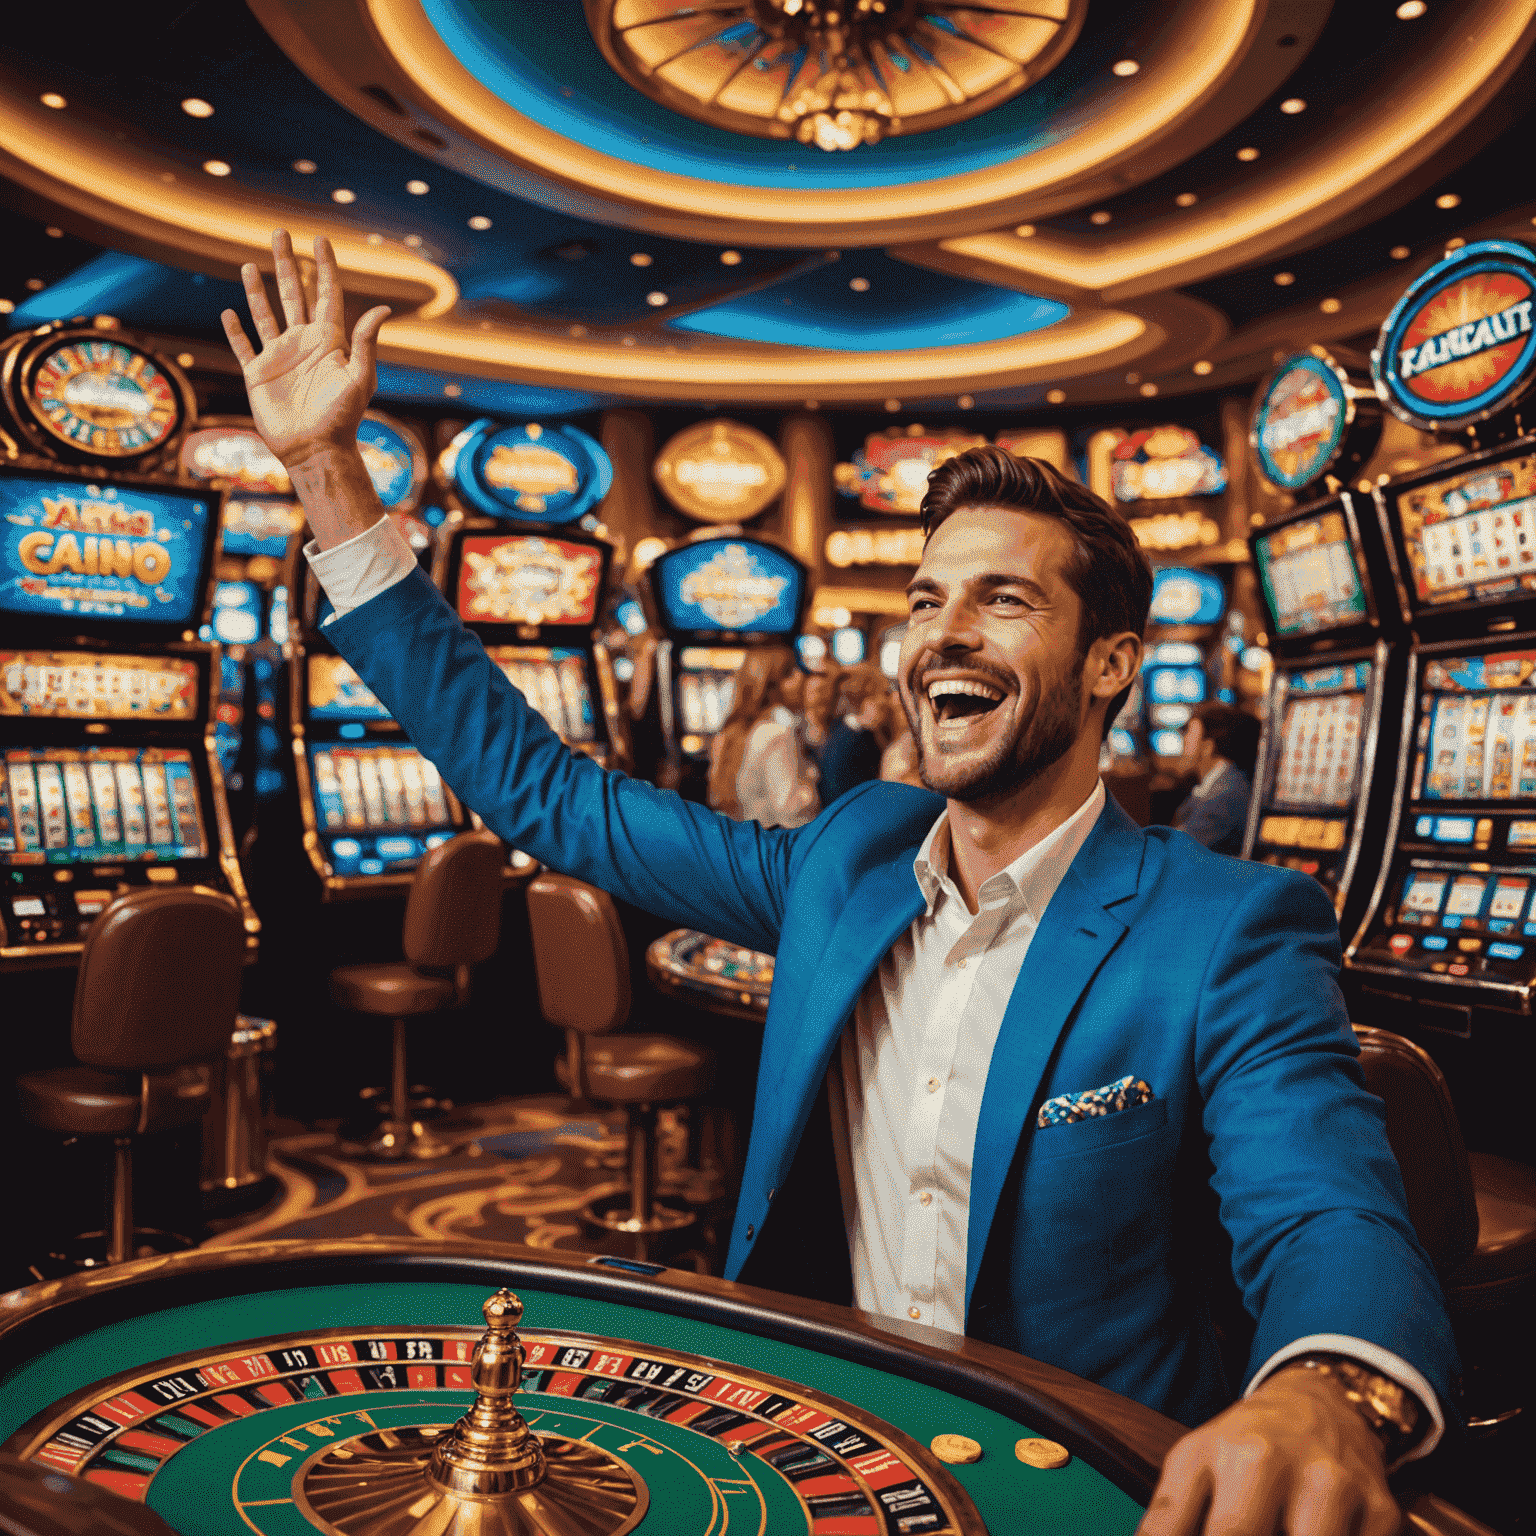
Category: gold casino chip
[958,1450]
[1042,1453]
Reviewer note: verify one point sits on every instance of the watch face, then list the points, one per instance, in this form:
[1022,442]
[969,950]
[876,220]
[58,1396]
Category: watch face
[104,397]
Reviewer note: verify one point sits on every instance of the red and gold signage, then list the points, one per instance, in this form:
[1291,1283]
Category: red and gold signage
[1163,463]
[720,472]
[890,473]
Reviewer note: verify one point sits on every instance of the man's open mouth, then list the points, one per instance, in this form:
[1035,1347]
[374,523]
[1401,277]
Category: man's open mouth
[957,701]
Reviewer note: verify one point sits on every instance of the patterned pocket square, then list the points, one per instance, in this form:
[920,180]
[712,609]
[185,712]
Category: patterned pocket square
[1068,1108]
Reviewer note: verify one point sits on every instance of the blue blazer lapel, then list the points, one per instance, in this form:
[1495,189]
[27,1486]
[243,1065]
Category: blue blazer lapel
[1075,937]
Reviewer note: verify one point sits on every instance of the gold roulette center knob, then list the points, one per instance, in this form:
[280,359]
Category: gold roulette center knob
[487,1475]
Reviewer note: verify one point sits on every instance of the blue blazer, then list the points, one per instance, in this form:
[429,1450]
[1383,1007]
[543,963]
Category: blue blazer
[1211,979]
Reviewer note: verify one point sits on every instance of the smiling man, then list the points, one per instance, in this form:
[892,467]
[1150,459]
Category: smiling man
[1047,1051]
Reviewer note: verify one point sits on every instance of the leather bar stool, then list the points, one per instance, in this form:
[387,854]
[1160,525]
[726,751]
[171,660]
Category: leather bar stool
[452,922]
[155,1003]
[1476,1216]
[582,961]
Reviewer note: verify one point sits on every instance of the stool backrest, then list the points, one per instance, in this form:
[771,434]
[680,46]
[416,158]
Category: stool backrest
[1426,1140]
[159,980]
[580,955]
[453,914]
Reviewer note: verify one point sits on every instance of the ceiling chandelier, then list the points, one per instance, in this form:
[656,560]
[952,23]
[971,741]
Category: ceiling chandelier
[833,73]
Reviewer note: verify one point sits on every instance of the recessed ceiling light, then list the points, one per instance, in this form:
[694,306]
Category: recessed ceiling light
[343,195]
[1125,68]
[195,106]
[1248,153]
[1448,200]
[1203,367]
[1402,253]
[1100,216]
[656,300]
[859,284]
[305,167]
[640,259]
[414,241]
[36,284]
[893,405]
[1133,378]
[54,100]
[453,390]
[577,330]
[1024,231]
[479,221]
[417,188]
[216,167]
[7,307]
[1330,306]
[813,405]
[730,258]
[1456,244]
[1149,390]
[1411,10]
[626,341]
[185,360]
[375,239]
[1292,105]
[1055,396]
[1186,200]
[965,402]
[1284,279]
[167,178]
[54,232]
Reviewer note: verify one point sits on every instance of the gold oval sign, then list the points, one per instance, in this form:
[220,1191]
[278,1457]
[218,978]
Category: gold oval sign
[720,471]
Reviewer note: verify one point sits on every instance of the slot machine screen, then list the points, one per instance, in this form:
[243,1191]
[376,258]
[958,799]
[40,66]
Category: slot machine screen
[1310,576]
[1320,739]
[527,579]
[379,808]
[236,613]
[60,806]
[336,692]
[255,527]
[721,584]
[1477,733]
[1471,538]
[554,680]
[115,554]
[84,685]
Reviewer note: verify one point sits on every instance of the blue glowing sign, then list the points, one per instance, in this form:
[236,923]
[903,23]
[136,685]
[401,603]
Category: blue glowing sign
[1181,595]
[536,474]
[395,464]
[729,584]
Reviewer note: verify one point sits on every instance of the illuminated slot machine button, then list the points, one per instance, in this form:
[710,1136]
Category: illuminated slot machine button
[395,849]
[1400,943]
[1483,835]
[1434,941]
[370,866]
[1522,834]
[1469,946]
[1458,969]
[1505,951]
[346,850]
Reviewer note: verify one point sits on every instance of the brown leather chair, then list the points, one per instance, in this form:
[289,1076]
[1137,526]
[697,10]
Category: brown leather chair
[582,961]
[452,921]
[1476,1216]
[155,1003]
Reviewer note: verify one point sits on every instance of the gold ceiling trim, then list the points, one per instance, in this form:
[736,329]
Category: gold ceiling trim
[1390,131]
[347,45]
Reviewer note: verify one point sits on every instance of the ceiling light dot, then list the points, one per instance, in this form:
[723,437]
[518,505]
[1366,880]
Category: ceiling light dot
[893,405]
[195,106]
[656,300]
[217,167]
[1133,378]
[965,402]
[453,391]
[185,360]
[1248,153]
[1292,105]
[1055,396]
[1100,216]
[1024,231]
[167,177]
[1186,200]
[1330,306]
[1284,279]
[36,284]
[1402,253]
[343,195]
[305,167]
[375,239]
[730,258]
[813,405]
[859,284]
[417,188]
[479,221]
[54,232]
[7,307]
[1411,10]
[640,259]
[54,100]
[1149,390]
[577,330]
[1203,367]
[626,341]
[1456,244]
[1125,68]
[1448,200]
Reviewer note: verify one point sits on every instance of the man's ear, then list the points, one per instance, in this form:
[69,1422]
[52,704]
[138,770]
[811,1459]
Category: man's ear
[1118,657]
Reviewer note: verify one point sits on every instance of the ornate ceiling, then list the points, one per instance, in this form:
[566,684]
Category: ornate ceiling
[1051,202]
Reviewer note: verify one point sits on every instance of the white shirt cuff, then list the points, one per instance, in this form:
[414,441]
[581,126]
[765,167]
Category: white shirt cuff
[1374,1357]
[367,564]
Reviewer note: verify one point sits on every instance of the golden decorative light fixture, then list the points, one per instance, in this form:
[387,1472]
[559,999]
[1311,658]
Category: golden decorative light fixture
[833,73]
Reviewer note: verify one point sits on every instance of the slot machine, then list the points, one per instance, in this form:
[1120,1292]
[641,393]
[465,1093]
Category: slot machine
[396,460]
[1328,581]
[110,777]
[1447,948]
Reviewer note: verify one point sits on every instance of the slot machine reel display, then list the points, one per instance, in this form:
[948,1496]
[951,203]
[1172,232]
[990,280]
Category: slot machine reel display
[110,776]
[1187,605]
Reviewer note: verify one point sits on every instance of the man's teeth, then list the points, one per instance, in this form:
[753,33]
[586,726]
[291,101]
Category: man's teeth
[951,685]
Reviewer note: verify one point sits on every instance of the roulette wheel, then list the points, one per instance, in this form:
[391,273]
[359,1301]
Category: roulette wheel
[292,1387]
[711,973]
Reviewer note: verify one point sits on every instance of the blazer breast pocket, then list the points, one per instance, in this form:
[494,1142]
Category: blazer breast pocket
[1097,1132]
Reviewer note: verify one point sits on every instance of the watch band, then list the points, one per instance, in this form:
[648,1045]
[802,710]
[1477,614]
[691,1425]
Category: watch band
[1394,1414]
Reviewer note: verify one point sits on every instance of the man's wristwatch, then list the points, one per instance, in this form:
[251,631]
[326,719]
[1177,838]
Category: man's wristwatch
[1394,1414]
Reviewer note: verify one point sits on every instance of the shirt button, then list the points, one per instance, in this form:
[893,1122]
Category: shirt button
[933,1085]
[913,1313]
[962,965]
[749,1234]
[926,1198]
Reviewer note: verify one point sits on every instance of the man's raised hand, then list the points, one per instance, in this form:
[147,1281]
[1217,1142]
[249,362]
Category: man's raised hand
[307,389]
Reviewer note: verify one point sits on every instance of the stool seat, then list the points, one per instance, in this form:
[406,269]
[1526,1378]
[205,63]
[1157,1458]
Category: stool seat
[392,991]
[643,1069]
[85,1101]
[1505,1257]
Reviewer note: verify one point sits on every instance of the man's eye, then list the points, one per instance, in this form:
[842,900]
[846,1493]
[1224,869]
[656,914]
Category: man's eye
[922,602]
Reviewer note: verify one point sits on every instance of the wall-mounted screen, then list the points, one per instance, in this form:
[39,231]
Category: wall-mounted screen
[1472,536]
[123,554]
[1477,729]
[528,579]
[83,685]
[725,584]
[336,692]
[81,807]
[554,680]
[1309,575]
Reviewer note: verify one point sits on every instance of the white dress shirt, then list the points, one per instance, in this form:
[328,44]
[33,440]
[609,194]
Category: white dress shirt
[912,1066]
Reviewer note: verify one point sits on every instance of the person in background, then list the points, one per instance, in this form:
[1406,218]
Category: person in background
[859,735]
[757,771]
[821,691]
[1221,743]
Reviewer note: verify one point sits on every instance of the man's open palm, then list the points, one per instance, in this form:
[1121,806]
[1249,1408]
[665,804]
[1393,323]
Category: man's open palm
[307,390]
